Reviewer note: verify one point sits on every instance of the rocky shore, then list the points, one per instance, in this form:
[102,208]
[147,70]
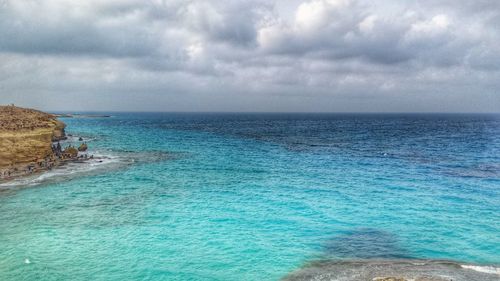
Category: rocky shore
[29,142]
[393,270]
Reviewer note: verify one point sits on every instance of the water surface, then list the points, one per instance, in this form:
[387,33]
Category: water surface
[256,196]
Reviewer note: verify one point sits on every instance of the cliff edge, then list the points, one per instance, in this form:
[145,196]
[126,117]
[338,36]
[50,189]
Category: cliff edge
[26,135]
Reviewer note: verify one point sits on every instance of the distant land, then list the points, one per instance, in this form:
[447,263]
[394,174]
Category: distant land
[78,115]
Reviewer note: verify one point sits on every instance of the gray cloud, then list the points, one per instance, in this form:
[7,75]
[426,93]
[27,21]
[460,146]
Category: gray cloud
[310,55]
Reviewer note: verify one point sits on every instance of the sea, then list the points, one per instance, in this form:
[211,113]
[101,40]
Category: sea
[256,196]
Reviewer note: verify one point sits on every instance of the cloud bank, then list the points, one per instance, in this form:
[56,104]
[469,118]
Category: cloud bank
[286,55]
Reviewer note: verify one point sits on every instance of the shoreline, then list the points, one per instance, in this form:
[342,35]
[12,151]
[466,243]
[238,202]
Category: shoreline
[23,170]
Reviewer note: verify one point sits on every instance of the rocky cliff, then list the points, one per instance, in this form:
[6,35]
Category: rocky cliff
[26,135]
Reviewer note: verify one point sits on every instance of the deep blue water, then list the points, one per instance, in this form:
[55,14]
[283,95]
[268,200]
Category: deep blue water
[256,196]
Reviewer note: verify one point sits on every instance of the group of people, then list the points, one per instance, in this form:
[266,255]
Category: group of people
[6,174]
[57,149]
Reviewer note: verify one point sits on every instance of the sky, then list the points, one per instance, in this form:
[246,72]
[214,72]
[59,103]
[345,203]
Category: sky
[251,56]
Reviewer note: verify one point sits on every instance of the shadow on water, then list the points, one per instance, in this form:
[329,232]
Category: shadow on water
[365,243]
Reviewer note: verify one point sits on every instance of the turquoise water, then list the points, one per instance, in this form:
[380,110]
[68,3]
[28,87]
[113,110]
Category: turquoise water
[256,196]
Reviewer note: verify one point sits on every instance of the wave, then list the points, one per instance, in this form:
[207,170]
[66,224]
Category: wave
[69,170]
[484,269]
[102,161]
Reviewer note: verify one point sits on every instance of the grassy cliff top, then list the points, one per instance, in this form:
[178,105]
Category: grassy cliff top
[14,118]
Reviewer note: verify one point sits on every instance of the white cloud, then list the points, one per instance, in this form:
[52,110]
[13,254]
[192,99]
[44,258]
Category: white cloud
[433,27]
[366,26]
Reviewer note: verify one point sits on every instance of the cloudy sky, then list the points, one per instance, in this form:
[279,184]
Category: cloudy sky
[251,55]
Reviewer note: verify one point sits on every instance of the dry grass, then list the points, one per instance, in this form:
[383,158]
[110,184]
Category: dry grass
[14,118]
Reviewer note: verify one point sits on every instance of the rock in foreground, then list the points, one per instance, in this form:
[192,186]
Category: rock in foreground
[401,270]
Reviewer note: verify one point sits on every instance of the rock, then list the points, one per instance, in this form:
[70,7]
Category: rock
[70,152]
[59,133]
[388,270]
[83,147]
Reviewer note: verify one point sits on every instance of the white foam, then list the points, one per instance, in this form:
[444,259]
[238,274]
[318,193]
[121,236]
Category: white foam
[483,269]
[100,161]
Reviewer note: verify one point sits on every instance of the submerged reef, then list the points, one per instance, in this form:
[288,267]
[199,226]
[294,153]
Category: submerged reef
[366,243]
[370,254]
[393,270]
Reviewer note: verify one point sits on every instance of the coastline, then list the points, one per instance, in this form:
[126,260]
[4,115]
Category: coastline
[24,170]
[30,143]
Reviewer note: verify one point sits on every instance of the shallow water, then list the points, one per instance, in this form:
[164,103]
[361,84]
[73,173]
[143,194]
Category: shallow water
[256,196]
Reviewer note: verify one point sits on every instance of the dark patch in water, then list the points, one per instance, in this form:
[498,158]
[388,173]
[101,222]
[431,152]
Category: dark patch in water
[365,243]
[480,171]
[369,253]
[152,156]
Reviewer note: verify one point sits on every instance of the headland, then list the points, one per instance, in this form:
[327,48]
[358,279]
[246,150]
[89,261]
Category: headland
[29,142]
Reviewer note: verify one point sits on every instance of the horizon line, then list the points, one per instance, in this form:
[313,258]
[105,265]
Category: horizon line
[269,112]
